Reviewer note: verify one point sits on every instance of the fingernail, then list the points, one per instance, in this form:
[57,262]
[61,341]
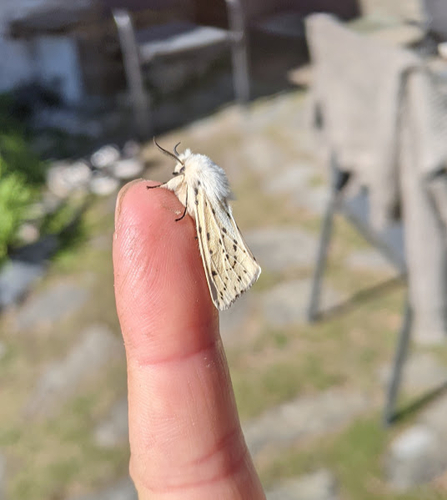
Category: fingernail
[120,198]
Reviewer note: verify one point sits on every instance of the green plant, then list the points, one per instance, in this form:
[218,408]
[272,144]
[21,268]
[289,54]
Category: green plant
[18,157]
[15,197]
[21,173]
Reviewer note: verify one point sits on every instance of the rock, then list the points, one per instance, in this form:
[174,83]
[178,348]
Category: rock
[38,252]
[282,248]
[115,429]
[122,490]
[419,454]
[16,277]
[127,168]
[48,204]
[105,156]
[416,456]
[63,178]
[287,303]
[26,266]
[319,485]
[131,149]
[51,305]
[27,233]
[368,260]
[103,185]
[304,417]
[95,349]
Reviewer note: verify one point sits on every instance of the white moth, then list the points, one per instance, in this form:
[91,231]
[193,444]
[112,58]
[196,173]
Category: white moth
[203,189]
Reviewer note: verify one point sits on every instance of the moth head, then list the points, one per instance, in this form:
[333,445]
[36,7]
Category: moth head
[179,158]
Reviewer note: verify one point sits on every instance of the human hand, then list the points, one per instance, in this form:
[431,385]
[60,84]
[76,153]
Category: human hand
[185,437]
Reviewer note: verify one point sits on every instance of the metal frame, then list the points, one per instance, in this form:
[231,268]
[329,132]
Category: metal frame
[239,50]
[140,100]
[335,204]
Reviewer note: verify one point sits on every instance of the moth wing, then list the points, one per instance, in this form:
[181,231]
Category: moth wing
[230,267]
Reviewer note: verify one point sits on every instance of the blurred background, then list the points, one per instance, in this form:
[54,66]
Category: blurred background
[330,119]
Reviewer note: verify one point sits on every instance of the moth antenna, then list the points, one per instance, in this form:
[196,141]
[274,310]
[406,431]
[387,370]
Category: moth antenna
[168,153]
[175,148]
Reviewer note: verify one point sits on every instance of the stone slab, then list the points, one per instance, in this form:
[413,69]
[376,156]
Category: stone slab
[318,485]
[304,417]
[286,304]
[94,350]
[282,248]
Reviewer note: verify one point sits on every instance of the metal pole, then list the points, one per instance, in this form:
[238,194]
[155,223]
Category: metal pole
[398,363]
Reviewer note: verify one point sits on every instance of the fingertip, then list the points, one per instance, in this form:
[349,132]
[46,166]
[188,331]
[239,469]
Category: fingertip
[136,199]
[160,285]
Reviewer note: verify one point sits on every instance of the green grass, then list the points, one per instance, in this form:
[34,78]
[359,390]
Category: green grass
[51,456]
[60,454]
[281,377]
[355,456]
[57,458]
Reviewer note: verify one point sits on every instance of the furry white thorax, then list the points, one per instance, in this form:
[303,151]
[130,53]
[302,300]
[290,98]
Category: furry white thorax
[198,170]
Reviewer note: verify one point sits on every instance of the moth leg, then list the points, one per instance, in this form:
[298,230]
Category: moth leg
[157,186]
[186,208]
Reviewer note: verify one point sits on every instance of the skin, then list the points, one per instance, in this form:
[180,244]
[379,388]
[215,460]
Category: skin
[185,437]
